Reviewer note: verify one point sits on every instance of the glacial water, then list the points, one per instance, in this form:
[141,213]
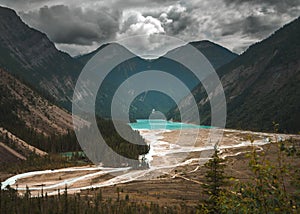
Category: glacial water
[157,124]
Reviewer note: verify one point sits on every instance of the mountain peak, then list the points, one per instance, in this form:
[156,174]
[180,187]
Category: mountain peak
[207,44]
[215,53]
[6,11]
[203,43]
[30,55]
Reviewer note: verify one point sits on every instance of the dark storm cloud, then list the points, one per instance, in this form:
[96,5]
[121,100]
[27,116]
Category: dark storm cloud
[280,6]
[254,26]
[22,1]
[140,3]
[180,20]
[74,25]
[80,26]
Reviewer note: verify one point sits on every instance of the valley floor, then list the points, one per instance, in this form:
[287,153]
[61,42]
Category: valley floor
[174,172]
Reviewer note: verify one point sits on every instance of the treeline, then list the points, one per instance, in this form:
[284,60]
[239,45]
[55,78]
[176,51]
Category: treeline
[128,150]
[133,148]
[11,203]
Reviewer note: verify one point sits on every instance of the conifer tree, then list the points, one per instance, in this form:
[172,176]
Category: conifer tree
[215,181]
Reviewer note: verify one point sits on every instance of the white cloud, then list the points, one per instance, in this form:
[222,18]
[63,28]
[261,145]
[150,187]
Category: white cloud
[234,24]
[140,34]
[134,23]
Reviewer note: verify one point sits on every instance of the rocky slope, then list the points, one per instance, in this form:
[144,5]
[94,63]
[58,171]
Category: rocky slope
[261,85]
[14,149]
[29,123]
[21,106]
[31,56]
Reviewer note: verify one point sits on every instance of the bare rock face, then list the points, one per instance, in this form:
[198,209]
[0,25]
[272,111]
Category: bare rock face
[261,85]
[31,56]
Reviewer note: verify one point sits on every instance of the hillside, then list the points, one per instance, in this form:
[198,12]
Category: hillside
[14,149]
[9,155]
[23,107]
[29,123]
[216,54]
[261,85]
[31,56]
[142,106]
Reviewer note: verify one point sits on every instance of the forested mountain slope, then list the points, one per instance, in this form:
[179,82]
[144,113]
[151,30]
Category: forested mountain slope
[261,85]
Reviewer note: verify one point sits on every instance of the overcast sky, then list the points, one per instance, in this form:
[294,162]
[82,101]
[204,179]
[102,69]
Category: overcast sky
[80,26]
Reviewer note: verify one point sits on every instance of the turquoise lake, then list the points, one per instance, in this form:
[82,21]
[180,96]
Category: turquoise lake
[163,124]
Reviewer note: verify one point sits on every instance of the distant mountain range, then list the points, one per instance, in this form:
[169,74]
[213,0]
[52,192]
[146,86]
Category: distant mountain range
[143,105]
[261,85]
[31,56]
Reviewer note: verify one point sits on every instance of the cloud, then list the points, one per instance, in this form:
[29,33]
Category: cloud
[134,23]
[82,25]
[138,4]
[67,25]
[23,5]
[177,19]
[140,34]
[254,26]
[235,25]
[281,6]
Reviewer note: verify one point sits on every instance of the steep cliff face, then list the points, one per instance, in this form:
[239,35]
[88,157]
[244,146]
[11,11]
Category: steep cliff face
[261,85]
[30,55]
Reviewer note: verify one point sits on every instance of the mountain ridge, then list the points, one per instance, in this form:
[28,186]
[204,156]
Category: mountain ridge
[201,45]
[143,104]
[28,54]
[261,84]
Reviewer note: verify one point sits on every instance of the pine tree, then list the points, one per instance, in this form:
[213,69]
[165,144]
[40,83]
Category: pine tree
[66,204]
[215,181]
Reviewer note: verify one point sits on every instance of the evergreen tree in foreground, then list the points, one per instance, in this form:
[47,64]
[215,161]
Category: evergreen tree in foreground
[215,181]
